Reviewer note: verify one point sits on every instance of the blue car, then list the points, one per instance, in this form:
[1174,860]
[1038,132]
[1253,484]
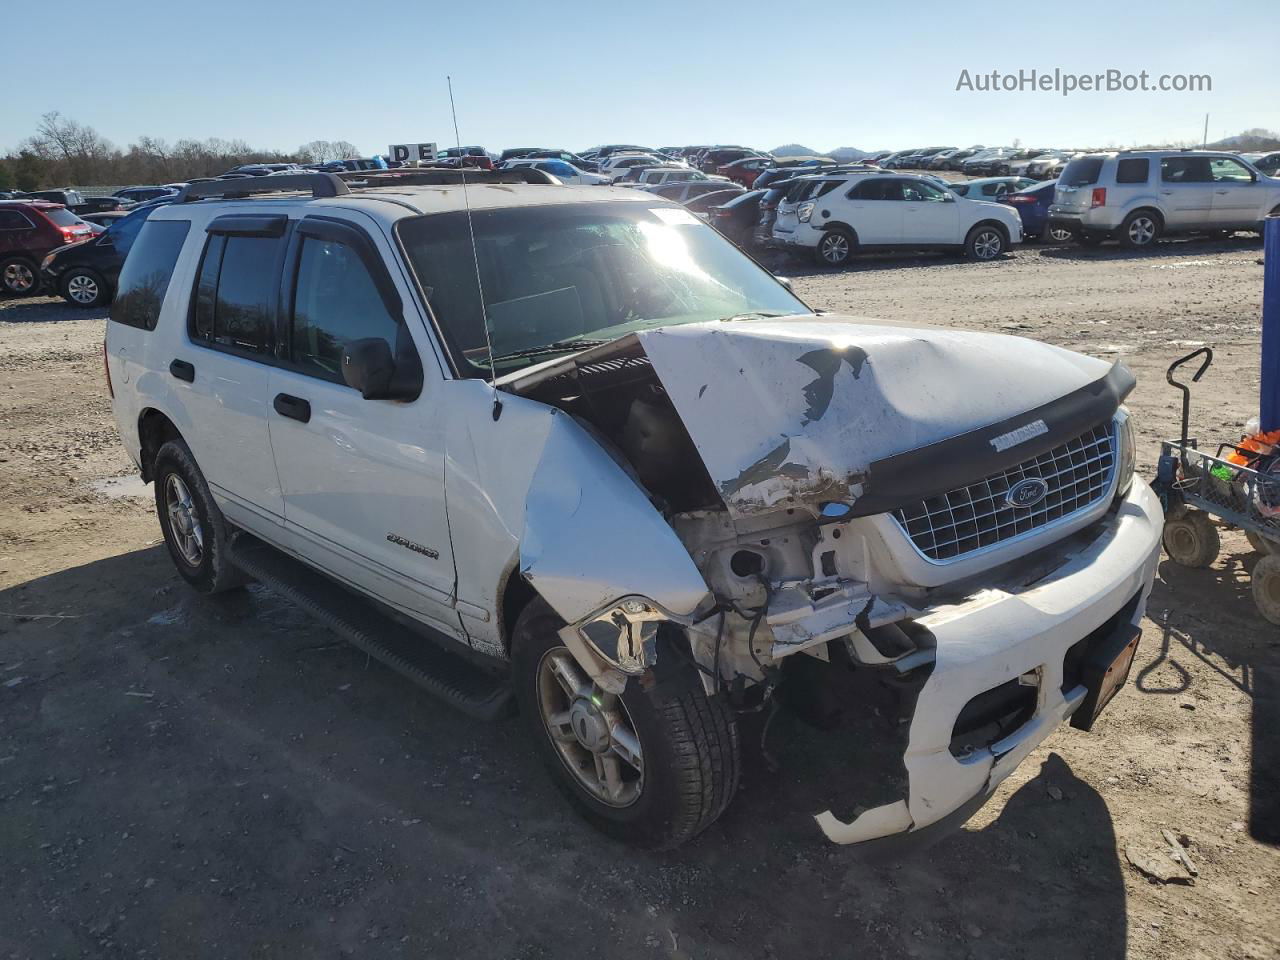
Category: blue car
[1032,205]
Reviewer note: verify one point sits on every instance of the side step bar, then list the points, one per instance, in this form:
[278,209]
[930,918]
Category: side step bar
[362,623]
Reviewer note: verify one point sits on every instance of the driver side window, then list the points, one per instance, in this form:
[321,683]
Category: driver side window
[335,301]
[1227,170]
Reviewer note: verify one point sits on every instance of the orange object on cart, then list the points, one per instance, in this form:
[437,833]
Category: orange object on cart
[1259,443]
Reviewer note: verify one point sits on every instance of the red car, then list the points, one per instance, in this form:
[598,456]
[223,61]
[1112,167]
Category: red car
[29,230]
[746,170]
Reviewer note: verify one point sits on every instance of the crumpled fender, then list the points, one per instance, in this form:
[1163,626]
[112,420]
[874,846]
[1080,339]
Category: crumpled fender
[591,535]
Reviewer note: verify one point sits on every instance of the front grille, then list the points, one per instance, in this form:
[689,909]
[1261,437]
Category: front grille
[976,516]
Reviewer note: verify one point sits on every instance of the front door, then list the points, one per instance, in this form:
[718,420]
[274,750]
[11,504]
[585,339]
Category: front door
[929,216]
[1236,197]
[363,480]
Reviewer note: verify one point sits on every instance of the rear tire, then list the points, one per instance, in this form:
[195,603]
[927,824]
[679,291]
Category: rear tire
[687,741]
[1139,230]
[1192,541]
[194,529]
[82,287]
[835,249]
[1266,588]
[19,277]
[1052,234]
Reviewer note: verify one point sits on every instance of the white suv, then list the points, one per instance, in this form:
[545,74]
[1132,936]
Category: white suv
[1137,197]
[836,216]
[571,449]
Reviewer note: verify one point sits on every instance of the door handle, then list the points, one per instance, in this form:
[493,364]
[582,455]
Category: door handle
[183,370]
[1166,193]
[1221,192]
[295,408]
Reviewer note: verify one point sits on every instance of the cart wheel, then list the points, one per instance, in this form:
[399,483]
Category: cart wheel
[1261,544]
[1266,587]
[1192,541]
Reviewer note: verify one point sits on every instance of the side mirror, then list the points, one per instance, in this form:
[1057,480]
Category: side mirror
[949,197]
[369,366]
[786,282]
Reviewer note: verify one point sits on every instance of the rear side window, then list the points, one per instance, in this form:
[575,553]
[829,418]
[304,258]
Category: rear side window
[60,216]
[1133,170]
[876,190]
[145,276]
[236,293]
[14,220]
[1186,170]
[1081,172]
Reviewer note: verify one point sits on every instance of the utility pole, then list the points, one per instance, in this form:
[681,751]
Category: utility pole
[1204,144]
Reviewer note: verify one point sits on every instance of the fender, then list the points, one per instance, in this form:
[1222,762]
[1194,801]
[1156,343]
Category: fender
[591,535]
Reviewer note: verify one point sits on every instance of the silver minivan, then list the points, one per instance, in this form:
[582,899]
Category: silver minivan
[1138,196]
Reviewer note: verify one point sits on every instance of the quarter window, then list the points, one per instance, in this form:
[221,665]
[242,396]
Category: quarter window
[235,300]
[145,276]
[335,302]
[1133,170]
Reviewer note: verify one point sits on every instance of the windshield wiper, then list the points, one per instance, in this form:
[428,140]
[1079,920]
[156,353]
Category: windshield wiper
[751,316]
[555,346]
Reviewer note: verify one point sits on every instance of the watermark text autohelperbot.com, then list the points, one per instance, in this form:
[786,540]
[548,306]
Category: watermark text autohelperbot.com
[1066,83]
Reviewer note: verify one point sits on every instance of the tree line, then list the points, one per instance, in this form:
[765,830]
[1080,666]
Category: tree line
[63,152]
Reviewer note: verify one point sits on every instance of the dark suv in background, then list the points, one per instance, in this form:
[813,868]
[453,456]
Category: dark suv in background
[29,230]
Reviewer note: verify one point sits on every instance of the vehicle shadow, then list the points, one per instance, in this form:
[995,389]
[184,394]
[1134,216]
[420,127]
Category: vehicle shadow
[1243,244]
[1210,615]
[42,310]
[267,776]
[797,268]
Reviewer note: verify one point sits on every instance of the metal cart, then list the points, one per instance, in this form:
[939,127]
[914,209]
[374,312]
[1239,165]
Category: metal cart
[1201,490]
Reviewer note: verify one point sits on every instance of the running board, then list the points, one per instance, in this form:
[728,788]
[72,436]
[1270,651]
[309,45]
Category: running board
[362,623]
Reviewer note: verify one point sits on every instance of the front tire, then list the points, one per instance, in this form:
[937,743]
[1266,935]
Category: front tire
[985,242]
[1139,230]
[1192,540]
[835,248]
[1261,544]
[652,768]
[82,287]
[194,529]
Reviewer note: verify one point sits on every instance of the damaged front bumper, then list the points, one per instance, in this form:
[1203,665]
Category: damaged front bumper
[998,638]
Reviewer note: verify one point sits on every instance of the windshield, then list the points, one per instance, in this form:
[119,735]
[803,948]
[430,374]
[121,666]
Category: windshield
[558,278]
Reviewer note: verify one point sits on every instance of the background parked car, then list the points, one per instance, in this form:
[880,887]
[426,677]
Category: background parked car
[688,190]
[85,273]
[101,205]
[71,199]
[653,176]
[1269,163]
[714,159]
[1042,167]
[701,204]
[103,218]
[737,218]
[143,194]
[990,188]
[1033,205]
[565,172]
[30,230]
[746,170]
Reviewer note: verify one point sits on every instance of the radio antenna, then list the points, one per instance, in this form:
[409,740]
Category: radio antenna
[475,255]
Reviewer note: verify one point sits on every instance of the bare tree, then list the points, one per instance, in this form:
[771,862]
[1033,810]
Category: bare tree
[323,151]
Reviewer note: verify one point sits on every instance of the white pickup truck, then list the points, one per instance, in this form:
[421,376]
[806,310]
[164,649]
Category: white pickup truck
[567,448]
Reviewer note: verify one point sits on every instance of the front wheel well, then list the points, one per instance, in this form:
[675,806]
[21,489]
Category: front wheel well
[1004,230]
[154,431]
[517,594]
[1153,211]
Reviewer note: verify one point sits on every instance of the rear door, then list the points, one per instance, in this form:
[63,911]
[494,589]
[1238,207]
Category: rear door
[1186,190]
[225,364]
[17,231]
[362,480]
[876,211]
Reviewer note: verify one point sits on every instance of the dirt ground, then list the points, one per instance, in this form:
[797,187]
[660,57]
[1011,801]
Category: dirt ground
[184,777]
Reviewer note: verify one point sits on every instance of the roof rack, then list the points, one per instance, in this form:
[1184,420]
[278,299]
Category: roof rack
[317,184]
[442,176]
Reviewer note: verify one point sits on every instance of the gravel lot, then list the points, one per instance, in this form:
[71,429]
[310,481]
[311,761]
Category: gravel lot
[184,777]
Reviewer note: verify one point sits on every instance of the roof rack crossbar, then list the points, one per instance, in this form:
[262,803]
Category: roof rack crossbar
[319,185]
[443,176]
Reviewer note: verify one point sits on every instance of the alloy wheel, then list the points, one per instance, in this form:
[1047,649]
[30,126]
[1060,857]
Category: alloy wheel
[184,520]
[591,730]
[1142,230]
[1059,234]
[83,289]
[987,245]
[19,278]
[835,248]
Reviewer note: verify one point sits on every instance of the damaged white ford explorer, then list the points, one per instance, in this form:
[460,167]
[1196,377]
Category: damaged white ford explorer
[568,449]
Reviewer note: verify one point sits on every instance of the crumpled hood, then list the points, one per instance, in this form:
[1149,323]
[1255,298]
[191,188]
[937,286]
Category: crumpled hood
[801,407]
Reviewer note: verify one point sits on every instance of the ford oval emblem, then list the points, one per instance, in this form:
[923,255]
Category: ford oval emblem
[1027,493]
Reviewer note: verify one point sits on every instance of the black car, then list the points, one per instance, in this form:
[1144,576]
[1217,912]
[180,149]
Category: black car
[71,199]
[103,205]
[737,218]
[85,273]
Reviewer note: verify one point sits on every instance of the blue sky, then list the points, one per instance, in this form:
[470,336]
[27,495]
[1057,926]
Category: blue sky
[576,74]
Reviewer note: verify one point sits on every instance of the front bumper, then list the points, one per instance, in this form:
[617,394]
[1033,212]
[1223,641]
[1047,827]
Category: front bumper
[992,638]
